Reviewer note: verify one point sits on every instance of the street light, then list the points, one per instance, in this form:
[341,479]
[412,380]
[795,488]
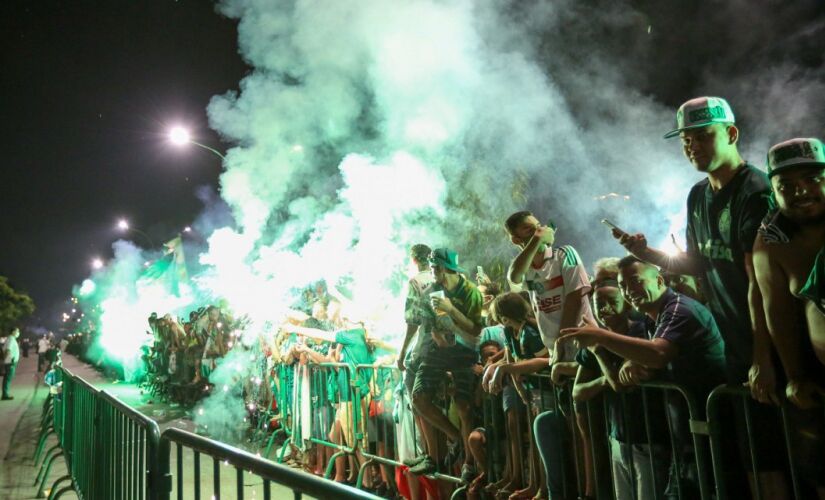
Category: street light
[179,136]
[124,226]
[97,263]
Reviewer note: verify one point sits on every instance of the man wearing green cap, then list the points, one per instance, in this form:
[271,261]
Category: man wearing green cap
[449,328]
[789,259]
[724,213]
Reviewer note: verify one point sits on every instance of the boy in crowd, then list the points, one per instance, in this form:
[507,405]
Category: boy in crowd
[636,458]
[448,336]
[559,288]
[684,336]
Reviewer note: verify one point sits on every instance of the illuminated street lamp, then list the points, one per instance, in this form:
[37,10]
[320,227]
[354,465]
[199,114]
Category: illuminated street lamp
[123,225]
[179,136]
[97,263]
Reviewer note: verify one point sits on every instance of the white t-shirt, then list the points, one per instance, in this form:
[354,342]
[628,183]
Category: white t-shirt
[561,273]
[42,346]
[415,288]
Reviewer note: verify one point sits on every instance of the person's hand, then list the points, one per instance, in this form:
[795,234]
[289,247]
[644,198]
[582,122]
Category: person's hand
[483,279]
[498,379]
[804,393]
[632,373]
[400,363]
[762,383]
[545,234]
[440,339]
[556,374]
[633,243]
[584,336]
[478,369]
[489,372]
[442,304]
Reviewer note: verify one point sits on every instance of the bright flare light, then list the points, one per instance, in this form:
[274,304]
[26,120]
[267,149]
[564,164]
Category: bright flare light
[123,225]
[97,263]
[179,136]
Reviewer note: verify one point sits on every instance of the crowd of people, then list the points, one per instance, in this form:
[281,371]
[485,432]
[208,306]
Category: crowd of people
[511,369]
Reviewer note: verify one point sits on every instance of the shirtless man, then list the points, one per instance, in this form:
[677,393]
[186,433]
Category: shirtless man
[789,261]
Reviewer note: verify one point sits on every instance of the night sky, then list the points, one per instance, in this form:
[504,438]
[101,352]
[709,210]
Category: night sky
[87,92]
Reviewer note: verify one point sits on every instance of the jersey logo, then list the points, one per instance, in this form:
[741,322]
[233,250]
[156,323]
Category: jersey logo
[724,222]
[549,304]
[554,283]
[715,249]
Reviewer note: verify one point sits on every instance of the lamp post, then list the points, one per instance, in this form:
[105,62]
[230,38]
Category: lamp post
[124,226]
[179,136]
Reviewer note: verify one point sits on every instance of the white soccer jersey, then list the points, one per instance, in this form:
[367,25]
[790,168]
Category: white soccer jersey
[561,272]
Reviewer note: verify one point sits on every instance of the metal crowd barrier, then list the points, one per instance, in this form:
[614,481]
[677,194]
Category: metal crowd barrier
[110,449]
[794,426]
[115,452]
[243,463]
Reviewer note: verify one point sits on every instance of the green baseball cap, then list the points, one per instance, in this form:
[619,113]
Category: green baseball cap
[799,152]
[701,112]
[446,258]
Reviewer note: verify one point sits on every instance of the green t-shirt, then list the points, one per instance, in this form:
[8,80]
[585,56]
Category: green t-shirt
[354,352]
[465,297]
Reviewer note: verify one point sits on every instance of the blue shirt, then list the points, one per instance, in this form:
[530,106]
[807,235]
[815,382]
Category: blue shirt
[700,362]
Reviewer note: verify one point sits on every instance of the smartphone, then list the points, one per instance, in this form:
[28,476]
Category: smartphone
[480,272]
[613,226]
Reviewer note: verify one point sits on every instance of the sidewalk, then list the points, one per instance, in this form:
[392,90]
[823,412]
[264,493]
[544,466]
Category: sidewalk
[19,430]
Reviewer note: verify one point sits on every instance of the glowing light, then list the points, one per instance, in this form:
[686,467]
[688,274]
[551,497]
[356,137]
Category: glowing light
[297,148]
[187,229]
[179,136]
[123,225]
[97,263]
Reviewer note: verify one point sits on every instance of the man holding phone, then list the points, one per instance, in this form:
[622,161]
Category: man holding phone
[724,213]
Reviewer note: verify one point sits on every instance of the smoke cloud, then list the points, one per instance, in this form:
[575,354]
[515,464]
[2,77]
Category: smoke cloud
[365,127]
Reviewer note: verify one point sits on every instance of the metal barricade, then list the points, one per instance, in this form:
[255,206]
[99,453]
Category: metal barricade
[247,470]
[674,442]
[283,390]
[110,449]
[794,426]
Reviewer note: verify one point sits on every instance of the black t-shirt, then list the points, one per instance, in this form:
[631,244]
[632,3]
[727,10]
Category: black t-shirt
[528,344]
[625,410]
[721,228]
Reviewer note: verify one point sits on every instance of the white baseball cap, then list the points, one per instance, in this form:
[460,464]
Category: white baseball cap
[799,152]
[700,112]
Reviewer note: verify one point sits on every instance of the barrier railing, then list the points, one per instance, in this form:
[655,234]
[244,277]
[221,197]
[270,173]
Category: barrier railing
[244,464]
[662,429]
[110,449]
[113,451]
[801,433]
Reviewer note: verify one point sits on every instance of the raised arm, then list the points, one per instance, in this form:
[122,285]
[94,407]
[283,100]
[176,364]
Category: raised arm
[543,236]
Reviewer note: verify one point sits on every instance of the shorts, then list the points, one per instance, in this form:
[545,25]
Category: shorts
[510,399]
[433,368]
[409,377]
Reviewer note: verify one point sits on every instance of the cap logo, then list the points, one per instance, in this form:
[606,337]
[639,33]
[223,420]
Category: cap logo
[792,151]
[705,114]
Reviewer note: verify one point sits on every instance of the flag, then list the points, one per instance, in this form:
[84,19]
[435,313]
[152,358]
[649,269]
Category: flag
[170,268]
